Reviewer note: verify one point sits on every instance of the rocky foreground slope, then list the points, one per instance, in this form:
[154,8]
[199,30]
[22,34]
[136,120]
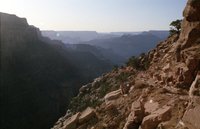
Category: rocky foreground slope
[165,96]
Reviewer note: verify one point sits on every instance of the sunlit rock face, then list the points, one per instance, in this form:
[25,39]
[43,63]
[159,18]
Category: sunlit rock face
[191,24]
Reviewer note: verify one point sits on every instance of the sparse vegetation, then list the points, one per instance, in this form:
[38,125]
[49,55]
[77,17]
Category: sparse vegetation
[122,76]
[175,27]
[104,89]
[80,103]
[91,99]
[134,62]
[139,63]
[115,67]
[146,64]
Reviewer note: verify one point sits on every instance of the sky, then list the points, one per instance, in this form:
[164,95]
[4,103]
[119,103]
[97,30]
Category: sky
[97,15]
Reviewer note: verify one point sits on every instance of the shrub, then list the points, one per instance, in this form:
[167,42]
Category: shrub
[134,62]
[139,63]
[104,89]
[122,76]
[175,27]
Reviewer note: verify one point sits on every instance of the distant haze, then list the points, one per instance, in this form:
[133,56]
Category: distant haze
[74,37]
[97,15]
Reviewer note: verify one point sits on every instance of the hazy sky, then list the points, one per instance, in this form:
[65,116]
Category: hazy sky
[99,15]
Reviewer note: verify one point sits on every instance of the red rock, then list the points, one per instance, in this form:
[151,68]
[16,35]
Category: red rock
[151,121]
[86,115]
[192,64]
[110,105]
[112,95]
[140,84]
[136,115]
[191,12]
[195,87]
[190,29]
[166,68]
[151,107]
[71,123]
[192,118]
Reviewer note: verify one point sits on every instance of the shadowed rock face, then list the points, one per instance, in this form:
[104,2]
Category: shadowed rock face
[33,77]
[191,12]
[191,24]
[38,75]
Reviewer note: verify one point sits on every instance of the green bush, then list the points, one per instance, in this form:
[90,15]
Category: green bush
[104,89]
[134,62]
[139,63]
[175,27]
[122,77]
[80,103]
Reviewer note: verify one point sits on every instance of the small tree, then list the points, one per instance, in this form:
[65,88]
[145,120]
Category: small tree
[134,62]
[175,27]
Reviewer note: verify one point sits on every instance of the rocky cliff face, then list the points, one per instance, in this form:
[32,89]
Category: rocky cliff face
[32,74]
[165,96]
[38,76]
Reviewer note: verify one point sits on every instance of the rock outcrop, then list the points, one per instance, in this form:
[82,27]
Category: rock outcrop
[86,115]
[151,106]
[77,120]
[136,115]
[151,121]
[71,123]
[191,24]
[112,95]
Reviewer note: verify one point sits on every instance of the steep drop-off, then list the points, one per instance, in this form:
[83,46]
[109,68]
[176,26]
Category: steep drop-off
[38,75]
[127,45]
[164,96]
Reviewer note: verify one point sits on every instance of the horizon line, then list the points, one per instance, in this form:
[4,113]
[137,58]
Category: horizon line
[63,30]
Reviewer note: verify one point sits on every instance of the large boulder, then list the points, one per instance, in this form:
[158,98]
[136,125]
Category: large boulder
[151,121]
[71,123]
[151,106]
[190,29]
[86,115]
[79,119]
[112,95]
[136,116]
